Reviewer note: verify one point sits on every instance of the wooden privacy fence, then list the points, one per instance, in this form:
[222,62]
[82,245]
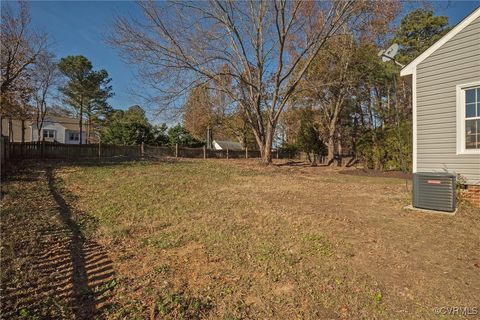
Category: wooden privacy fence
[48,150]
[3,154]
[183,152]
[45,150]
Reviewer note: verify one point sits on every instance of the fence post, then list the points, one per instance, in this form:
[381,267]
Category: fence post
[42,149]
[176,150]
[227,152]
[204,152]
[99,148]
[277,153]
[142,150]
[246,152]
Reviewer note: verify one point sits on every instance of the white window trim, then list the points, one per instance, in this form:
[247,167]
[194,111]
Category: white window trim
[54,133]
[414,115]
[461,118]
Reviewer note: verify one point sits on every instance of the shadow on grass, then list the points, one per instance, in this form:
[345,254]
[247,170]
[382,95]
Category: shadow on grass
[301,164]
[83,299]
[69,275]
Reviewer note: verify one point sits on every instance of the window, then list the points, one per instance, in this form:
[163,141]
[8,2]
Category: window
[48,134]
[74,136]
[468,118]
[472,118]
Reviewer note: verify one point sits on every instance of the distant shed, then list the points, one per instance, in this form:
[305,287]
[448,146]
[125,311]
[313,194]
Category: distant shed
[224,145]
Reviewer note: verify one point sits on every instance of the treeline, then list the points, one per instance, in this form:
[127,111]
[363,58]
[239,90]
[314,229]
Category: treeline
[348,103]
[351,102]
[35,84]
[301,75]
[131,127]
[296,75]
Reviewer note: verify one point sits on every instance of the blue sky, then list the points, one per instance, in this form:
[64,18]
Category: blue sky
[80,27]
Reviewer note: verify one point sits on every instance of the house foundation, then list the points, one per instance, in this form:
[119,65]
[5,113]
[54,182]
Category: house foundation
[471,193]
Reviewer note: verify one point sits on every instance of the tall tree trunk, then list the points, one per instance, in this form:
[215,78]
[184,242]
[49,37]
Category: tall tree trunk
[267,155]
[331,147]
[23,131]
[80,122]
[266,148]
[89,122]
[81,133]
[332,129]
[339,147]
[40,120]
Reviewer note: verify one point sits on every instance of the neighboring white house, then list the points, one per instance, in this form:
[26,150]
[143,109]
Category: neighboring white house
[224,145]
[446,103]
[13,130]
[58,129]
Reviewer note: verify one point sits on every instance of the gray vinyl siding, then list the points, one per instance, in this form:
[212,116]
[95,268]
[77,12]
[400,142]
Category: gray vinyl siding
[456,62]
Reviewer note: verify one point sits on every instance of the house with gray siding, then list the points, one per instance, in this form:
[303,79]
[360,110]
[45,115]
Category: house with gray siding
[446,103]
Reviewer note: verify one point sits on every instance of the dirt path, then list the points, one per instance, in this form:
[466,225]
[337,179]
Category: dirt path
[49,267]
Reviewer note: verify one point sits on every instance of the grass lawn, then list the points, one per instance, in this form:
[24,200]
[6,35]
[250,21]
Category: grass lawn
[219,239]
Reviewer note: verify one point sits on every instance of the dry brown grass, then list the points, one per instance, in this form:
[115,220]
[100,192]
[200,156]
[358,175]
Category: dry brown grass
[232,239]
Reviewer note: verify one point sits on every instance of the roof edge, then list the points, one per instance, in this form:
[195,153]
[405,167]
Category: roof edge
[410,68]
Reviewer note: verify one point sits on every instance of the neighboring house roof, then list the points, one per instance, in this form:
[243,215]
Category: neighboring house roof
[71,124]
[410,68]
[231,145]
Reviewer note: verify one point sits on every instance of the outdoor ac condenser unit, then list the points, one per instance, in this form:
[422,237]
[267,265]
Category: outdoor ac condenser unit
[434,191]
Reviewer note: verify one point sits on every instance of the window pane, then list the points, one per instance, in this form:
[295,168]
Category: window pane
[478,141]
[478,95]
[470,141]
[470,110]
[470,95]
[471,133]
[470,127]
[48,133]
[478,109]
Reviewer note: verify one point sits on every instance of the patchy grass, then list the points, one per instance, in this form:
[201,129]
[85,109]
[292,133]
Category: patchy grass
[233,240]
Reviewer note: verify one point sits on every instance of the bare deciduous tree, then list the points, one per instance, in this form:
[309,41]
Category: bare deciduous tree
[45,79]
[20,47]
[264,47]
[338,73]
